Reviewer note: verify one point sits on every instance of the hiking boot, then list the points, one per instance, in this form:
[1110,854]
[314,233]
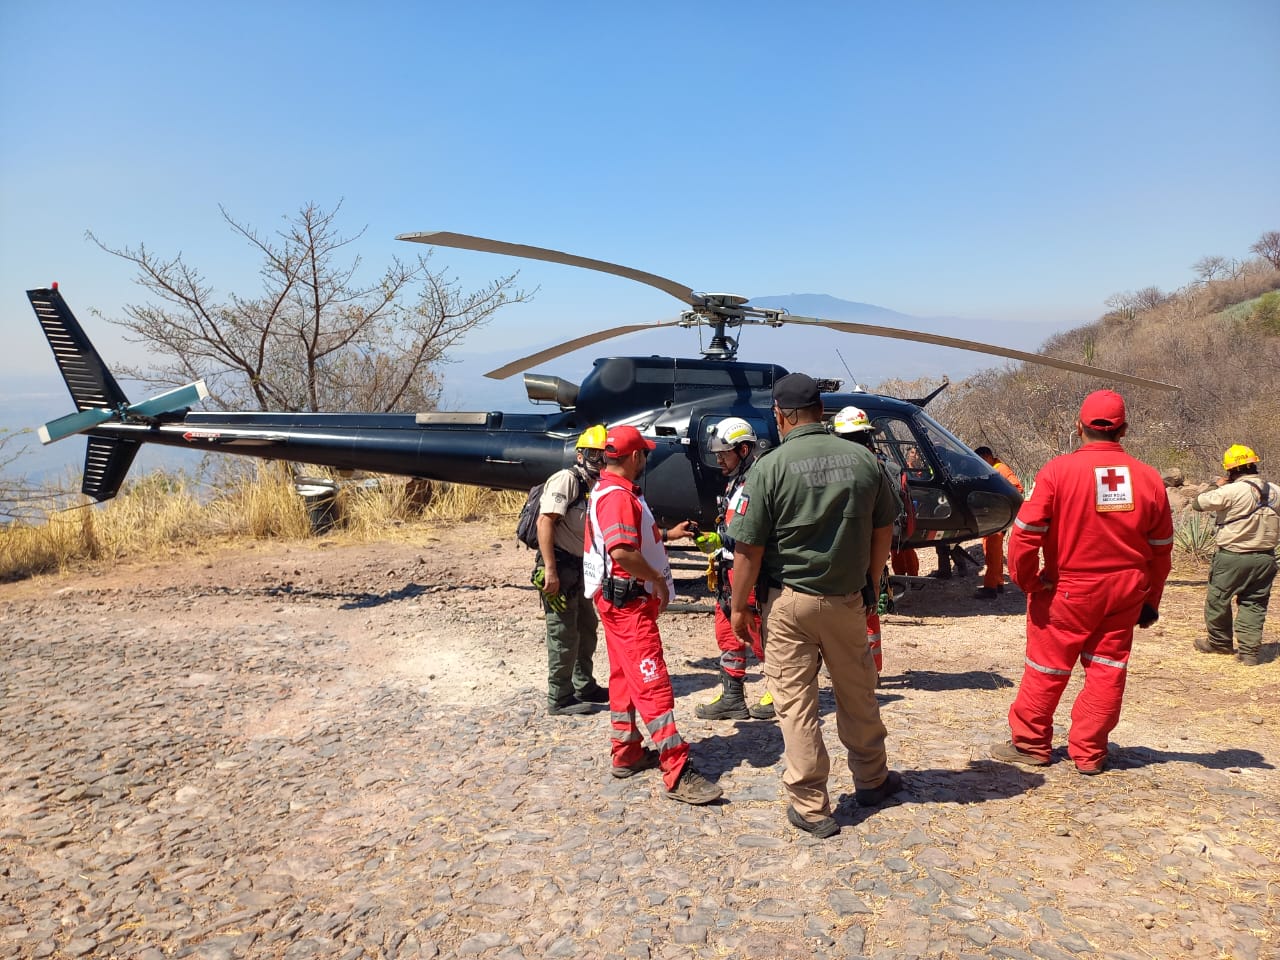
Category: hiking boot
[729,703]
[985,593]
[1007,753]
[1249,659]
[572,707]
[874,796]
[594,694]
[647,762]
[1092,771]
[694,788]
[764,709]
[826,827]
[1205,645]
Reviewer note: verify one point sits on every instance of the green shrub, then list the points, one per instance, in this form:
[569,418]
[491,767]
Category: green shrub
[1267,313]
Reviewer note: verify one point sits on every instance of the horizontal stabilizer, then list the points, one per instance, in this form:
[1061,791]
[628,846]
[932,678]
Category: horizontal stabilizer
[167,402]
[73,423]
[170,400]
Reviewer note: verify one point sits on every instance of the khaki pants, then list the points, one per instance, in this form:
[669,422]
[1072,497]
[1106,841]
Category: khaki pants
[801,632]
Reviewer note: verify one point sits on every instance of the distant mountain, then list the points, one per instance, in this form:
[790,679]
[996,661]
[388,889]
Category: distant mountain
[826,353]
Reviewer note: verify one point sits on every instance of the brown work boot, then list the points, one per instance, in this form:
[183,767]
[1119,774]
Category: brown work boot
[1007,753]
[694,788]
[647,761]
[1248,658]
[1205,645]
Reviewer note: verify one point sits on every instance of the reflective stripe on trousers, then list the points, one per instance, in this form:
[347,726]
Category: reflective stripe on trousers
[640,685]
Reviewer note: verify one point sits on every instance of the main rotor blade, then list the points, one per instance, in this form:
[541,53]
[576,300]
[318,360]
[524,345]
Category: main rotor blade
[893,333]
[560,349]
[465,242]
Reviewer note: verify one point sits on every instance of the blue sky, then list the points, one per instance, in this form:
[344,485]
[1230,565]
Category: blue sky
[1002,160]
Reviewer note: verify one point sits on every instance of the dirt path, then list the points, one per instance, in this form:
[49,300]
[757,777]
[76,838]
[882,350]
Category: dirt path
[315,749]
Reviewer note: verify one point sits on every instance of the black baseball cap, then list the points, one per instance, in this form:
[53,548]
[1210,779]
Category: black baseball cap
[796,391]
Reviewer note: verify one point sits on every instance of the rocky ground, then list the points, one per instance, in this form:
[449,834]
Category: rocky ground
[317,750]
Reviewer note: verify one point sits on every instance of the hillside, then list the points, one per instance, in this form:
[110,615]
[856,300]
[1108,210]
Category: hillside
[1219,341]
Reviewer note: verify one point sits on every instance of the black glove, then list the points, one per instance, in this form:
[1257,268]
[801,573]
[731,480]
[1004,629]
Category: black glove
[1148,616]
[869,596]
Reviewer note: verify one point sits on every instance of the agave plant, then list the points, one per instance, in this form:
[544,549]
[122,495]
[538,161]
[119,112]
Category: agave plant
[1193,535]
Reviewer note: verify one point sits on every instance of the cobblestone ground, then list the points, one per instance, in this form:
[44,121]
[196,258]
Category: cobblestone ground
[314,751]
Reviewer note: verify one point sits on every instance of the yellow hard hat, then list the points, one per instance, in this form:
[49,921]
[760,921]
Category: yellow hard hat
[593,438]
[1238,455]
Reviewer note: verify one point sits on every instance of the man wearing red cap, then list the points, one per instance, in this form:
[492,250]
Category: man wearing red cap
[1101,521]
[627,573]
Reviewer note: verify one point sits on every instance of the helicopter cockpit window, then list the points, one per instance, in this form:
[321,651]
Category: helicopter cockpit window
[898,442]
[958,460]
[707,427]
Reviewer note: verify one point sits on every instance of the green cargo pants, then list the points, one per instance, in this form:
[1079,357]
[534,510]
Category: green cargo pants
[571,638]
[1246,577]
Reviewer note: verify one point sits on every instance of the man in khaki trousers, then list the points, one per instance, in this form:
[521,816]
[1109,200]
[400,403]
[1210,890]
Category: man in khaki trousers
[816,520]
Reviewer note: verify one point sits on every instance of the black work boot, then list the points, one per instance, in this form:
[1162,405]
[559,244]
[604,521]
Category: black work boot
[730,704]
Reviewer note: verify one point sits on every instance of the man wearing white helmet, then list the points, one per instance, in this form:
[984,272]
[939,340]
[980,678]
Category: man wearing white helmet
[734,444]
[853,424]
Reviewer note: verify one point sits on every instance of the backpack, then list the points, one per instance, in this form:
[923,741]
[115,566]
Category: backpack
[527,524]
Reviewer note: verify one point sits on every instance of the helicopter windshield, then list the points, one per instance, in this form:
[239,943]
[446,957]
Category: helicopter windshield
[957,459]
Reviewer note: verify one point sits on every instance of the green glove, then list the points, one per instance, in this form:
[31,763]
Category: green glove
[556,601]
[708,543]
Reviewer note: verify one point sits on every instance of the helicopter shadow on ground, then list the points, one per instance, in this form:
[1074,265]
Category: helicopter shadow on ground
[979,782]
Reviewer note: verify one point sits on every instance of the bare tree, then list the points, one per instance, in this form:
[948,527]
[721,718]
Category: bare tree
[314,337]
[1210,268]
[1268,247]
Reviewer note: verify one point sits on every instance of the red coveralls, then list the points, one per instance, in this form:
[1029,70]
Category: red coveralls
[1101,519]
[638,678]
[993,545]
[733,652]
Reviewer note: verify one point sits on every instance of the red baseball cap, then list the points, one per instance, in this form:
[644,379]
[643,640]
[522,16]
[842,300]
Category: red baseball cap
[1103,410]
[624,440]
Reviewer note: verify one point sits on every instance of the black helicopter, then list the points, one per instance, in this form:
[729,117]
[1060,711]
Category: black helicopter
[676,402]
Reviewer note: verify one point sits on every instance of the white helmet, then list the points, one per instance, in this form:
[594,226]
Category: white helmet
[730,432]
[852,420]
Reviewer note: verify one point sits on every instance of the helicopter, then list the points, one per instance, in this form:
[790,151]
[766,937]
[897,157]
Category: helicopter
[676,402]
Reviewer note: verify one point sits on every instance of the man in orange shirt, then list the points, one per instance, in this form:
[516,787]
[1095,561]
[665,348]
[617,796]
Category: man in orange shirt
[993,544]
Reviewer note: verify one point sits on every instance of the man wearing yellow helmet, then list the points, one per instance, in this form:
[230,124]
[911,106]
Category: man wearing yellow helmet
[1248,530]
[570,616]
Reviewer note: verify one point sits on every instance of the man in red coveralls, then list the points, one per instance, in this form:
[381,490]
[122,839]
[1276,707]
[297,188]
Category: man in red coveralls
[627,573]
[1101,520]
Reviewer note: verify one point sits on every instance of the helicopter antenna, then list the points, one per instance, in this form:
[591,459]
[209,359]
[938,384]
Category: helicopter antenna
[845,365]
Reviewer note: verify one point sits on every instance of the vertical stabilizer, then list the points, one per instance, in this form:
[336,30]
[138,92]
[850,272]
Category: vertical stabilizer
[91,384]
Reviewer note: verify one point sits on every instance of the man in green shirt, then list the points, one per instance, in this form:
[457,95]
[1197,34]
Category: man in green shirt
[816,518]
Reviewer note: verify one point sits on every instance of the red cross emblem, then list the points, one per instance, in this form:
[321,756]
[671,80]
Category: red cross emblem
[1111,479]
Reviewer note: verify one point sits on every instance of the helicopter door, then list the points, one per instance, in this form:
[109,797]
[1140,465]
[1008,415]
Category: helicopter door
[898,441]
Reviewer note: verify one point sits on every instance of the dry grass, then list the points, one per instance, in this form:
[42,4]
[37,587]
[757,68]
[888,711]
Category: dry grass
[160,512]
